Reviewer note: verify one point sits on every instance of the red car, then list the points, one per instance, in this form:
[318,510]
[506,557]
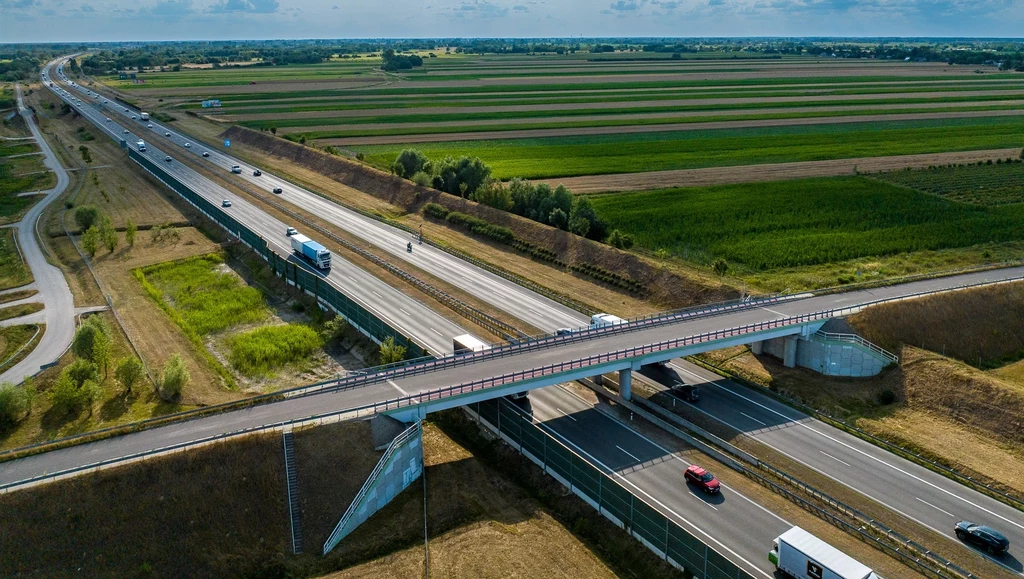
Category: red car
[702,478]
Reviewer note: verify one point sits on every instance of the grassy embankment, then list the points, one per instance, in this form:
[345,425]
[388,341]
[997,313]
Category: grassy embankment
[945,406]
[221,512]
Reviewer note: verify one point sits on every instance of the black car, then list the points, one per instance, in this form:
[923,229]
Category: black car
[986,537]
[277,189]
[687,392]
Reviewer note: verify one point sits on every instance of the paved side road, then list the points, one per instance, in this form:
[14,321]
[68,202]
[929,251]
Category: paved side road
[59,311]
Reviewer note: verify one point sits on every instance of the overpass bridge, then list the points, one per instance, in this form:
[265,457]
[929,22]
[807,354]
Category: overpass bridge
[425,387]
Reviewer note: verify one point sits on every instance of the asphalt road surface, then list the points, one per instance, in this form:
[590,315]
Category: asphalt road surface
[59,305]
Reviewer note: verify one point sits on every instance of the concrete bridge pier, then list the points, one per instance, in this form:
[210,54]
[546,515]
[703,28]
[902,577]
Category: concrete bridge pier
[757,347]
[789,351]
[626,383]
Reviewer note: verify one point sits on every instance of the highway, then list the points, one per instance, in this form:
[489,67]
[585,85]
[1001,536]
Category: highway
[814,446]
[411,317]
[58,304]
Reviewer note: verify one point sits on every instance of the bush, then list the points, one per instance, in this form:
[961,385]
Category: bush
[409,162]
[86,216]
[92,331]
[422,179]
[390,352]
[15,402]
[333,329]
[262,350]
[435,210]
[175,378]
[620,240]
[66,396]
[482,227]
[720,266]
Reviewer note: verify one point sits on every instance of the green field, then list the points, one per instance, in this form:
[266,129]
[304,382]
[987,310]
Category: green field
[206,298]
[258,352]
[604,154]
[995,184]
[765,226]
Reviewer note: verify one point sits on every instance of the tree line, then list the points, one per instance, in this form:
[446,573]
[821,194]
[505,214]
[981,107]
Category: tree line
[470,178]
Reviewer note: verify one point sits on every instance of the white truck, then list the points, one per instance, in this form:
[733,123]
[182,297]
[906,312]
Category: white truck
[468,343]
[800,554]
[141,145]
[144,116]
[605,320]
[311,250]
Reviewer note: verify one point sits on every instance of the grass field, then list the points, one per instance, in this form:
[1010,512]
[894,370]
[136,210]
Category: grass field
[13,272]
[803,222]
[18,311]
[997,184]
[261,351]
[603,154]
[207,298]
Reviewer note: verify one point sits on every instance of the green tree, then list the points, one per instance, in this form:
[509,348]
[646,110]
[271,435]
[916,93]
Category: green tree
[174,379]
[620,240]
[86,156]
[720,266]
[91,241]
[93,329]
[88,393]
[390,352]
[108,234]
[129,370]
[101,353]
[86,216]
[130,229]
[64,394]
[409,162]
[333,329]
[15,402]
[558,218]
[273,130]
[494,194]
[81,370]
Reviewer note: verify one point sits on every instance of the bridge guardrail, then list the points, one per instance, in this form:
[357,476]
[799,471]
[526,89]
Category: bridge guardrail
[855,339]
[432,365]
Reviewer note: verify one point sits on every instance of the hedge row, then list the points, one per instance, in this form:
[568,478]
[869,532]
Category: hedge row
[506,236]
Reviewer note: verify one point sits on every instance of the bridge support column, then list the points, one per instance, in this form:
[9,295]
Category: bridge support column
[626,384]
[756,348]
[789,351]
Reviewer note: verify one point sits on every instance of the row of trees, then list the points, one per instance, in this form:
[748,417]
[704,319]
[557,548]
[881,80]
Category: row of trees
[99,231]
[394,61]
[470,177]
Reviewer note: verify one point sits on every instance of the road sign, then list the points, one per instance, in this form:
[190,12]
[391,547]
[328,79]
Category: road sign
[227,142]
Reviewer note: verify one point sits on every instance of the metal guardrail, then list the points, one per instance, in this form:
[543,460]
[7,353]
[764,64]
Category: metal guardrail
[506,331]
[855,339]
[938,562]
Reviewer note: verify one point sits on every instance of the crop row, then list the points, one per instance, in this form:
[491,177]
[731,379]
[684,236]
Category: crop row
[634,152]
[766,226]
[994,183]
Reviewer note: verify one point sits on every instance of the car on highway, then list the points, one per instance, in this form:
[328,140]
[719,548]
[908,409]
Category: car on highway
[563,331]
[149,126]
[126,109]
[167,158]
[225,203]
[686,392]
[126,131]
[702,478]
[206,153]
[290,231]
[134,117]
[167,134]
[188,145]
[106,102]
[277,190]
[108,119]
[981,536]
[257,173]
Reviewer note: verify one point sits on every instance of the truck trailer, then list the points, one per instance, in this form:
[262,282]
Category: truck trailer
[141,145]
[144,116]
[311,250]
[605,320]
[800,554]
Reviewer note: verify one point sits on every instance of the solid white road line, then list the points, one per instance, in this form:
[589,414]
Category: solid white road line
[397,387]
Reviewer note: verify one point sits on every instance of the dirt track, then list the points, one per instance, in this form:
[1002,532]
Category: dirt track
[541,133]
[772,172]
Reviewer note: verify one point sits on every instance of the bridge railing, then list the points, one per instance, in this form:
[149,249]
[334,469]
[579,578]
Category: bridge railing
[855,339]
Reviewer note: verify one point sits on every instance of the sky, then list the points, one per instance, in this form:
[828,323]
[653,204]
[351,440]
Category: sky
[130,20]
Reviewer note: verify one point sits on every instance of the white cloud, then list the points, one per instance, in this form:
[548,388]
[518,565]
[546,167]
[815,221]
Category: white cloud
[252,6]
